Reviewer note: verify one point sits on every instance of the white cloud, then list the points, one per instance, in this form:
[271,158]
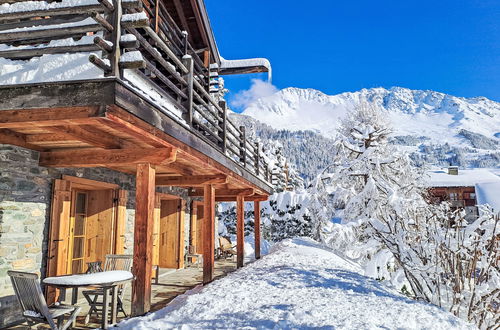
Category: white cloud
[258,89]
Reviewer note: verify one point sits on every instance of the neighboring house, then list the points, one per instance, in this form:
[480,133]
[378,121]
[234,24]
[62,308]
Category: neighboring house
[465,189]
[113,130]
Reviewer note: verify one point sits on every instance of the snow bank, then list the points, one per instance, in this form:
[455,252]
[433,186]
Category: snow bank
[298,285]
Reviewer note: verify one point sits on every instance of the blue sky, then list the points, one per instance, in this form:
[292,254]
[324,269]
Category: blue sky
[338,46]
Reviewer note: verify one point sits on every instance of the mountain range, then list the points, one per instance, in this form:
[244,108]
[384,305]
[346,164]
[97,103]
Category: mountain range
[436,128]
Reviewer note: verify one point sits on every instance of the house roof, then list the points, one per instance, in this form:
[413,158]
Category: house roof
[465,178]
[486,184]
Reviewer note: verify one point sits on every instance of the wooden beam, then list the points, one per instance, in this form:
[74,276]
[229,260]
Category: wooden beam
[208,233]
[195,180]
[48,117]
[17,139]
[179,168]
[256,221]
[89,135]
[224,192]
[182,16]
[48,138]
[103,158]
[253,198]
[131,129]
[240,230]
[143,239]
[90,184]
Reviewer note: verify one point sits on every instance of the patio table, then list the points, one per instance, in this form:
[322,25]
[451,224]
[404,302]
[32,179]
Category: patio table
[108,281]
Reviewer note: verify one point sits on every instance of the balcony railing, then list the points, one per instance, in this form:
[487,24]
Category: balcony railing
[143,37]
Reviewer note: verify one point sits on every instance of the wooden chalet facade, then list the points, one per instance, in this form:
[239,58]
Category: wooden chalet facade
[133,158]
[464,189]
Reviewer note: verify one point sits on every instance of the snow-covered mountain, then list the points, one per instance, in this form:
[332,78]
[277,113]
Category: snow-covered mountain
[437,116]
[435,128]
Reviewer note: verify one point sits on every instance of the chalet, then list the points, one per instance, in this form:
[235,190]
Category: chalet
[465,189]
[115,139]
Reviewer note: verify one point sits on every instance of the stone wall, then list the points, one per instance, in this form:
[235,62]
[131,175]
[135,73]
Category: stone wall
[25,194]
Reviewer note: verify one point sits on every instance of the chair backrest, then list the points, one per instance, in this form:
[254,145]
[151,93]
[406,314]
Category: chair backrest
[94,267]
[118,262]
[224,243]
[191,249]
[29,293]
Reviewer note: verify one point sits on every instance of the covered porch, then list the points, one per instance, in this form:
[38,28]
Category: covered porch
[105,125]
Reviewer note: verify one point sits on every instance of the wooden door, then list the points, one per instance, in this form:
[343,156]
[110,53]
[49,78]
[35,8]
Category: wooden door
[100,236]
[169,234]
[199,229]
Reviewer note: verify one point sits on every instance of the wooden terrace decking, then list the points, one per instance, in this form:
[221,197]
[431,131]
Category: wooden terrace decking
[172,283]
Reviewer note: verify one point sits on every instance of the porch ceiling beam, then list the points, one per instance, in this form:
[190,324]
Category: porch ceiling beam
[224,192]
[48,138]
[133,130]
[88,135]
[195,180]
[179,169]
[48,117]
[104,158]
[8,136]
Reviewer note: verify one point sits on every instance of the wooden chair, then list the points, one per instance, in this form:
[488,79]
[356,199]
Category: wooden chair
[113,262]
[191,253]
[34,306]
[226,249]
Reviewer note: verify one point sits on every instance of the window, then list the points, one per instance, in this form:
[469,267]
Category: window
[453,196]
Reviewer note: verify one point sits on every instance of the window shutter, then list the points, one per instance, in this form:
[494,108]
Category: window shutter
[59,232]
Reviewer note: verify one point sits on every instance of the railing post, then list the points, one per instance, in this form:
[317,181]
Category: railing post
[187,60]
[114,56]
[243,147]
[223,123]
[257,158]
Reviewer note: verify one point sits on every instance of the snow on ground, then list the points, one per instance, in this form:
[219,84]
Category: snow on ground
[298,285]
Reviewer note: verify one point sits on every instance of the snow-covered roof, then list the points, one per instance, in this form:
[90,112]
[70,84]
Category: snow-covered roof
[250,65]
[251,62]
[486,184]
[465,178]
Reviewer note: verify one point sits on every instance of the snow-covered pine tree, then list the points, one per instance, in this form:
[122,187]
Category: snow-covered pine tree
[366,174]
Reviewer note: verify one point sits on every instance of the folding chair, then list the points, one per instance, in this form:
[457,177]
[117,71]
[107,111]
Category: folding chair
[34,306]
[113,262]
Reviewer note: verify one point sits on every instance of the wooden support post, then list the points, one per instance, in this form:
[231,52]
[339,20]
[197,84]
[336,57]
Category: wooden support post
[256,217]
[143,238]
[240,230]
[243,146]
[187,60]
[208,232]
[257,158]
[223,123]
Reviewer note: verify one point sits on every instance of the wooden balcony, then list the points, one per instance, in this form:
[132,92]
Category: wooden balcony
[139,48]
